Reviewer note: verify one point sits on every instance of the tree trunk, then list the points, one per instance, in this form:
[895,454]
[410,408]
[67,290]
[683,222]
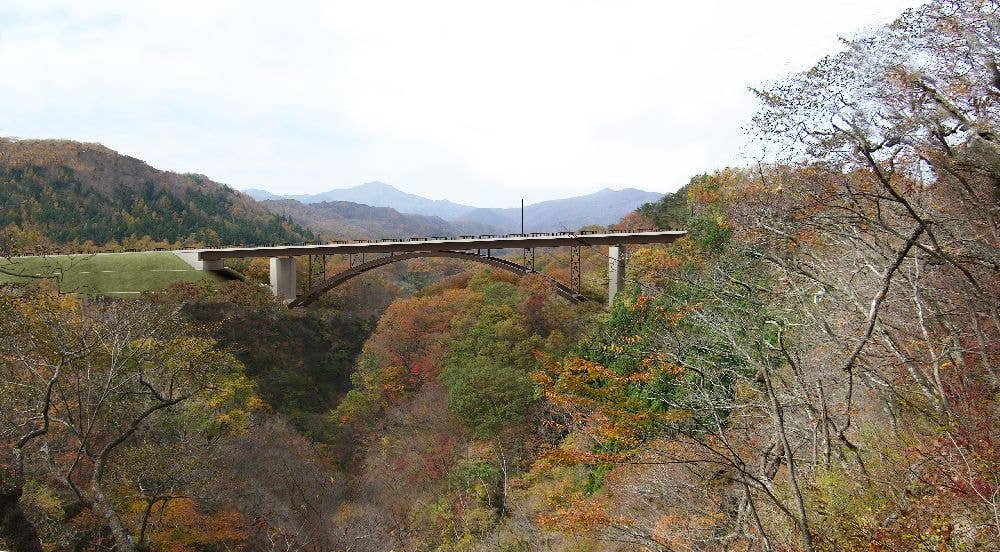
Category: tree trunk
[502,509]
[779,428]
[103,507]
[16,529]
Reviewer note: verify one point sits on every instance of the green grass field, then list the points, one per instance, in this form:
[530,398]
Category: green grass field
[112,274]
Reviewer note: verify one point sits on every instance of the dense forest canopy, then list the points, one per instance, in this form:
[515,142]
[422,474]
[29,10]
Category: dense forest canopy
[62,195]
[814,367]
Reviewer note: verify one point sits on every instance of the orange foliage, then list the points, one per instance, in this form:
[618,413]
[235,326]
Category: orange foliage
[649,263]
[181,527]
[604,401]
[409,333]
[633,222]
[579,515]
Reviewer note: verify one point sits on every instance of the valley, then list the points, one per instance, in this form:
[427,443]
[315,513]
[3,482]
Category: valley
[800,353]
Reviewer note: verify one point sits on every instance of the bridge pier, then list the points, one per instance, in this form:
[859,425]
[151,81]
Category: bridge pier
[617,257]
[283,278]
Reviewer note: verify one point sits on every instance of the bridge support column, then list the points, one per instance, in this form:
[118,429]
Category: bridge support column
[574,269]
[283,278]
[616,271]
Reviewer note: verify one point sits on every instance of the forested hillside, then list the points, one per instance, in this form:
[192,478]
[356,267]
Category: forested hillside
[62,194]
[813,367]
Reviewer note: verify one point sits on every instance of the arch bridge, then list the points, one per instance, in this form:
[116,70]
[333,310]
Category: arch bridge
[369,255]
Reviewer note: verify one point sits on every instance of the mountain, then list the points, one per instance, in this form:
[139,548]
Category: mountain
[378,194]
[345,219]
[604,207]
[261,195]
[71,191]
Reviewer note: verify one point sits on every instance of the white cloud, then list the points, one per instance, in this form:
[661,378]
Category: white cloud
[480,102]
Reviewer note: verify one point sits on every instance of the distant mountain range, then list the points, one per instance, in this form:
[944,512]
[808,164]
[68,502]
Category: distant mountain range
[345,219]
[604,207]
[377,194]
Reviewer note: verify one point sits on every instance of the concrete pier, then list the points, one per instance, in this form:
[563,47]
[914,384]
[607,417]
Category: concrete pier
[616,271]
[283,278]
[212,265]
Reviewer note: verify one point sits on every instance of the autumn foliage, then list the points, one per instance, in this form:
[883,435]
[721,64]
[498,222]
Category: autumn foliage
[813,367]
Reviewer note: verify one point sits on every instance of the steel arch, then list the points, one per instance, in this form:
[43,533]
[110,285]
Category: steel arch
[315,292]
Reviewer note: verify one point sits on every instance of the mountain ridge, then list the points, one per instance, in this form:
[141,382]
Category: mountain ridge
[603,207]
[346,219]
[376,194]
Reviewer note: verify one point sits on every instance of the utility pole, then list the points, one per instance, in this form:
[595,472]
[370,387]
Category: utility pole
[522,216]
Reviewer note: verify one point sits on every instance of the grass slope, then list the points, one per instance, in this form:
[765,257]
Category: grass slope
[113,274]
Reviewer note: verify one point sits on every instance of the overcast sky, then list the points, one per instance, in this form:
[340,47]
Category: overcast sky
[477,102]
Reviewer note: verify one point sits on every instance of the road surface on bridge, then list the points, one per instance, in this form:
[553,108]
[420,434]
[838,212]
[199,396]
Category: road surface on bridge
[464,243]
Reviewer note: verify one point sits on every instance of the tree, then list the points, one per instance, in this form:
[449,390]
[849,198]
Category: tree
[401,354]
[82,383]
[486,369]
[753,321]
[487,395]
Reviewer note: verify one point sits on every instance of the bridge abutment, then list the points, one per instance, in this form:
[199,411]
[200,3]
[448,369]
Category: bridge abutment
[616,271]
[283,278]
[191,258]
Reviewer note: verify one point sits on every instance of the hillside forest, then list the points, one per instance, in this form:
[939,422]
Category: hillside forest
[814,367]
[63,196]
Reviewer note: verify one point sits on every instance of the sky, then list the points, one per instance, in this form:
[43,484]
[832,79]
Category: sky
[478,102]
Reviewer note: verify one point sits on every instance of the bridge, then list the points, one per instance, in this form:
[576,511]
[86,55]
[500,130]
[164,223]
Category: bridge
[369,255]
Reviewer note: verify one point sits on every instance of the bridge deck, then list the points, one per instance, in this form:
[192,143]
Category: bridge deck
[464,243]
